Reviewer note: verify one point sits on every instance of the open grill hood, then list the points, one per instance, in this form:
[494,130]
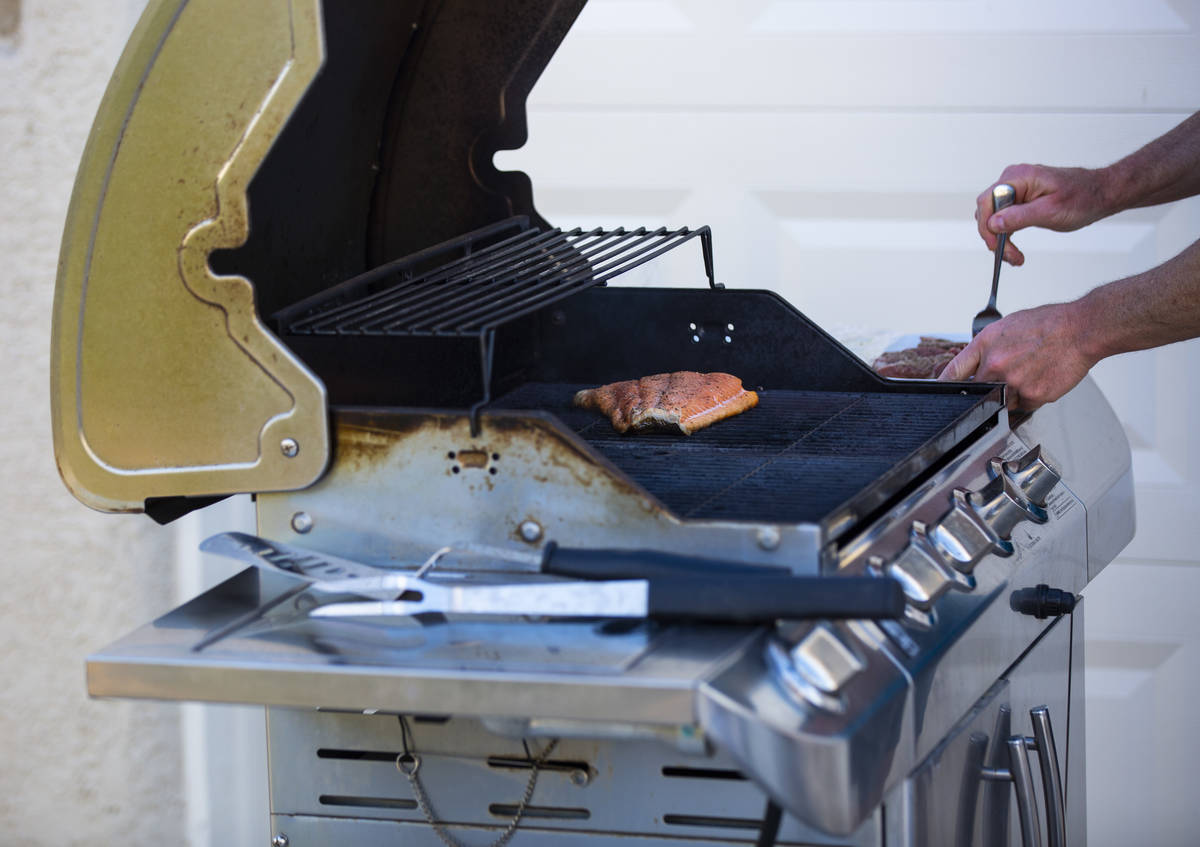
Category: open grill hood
[247,156]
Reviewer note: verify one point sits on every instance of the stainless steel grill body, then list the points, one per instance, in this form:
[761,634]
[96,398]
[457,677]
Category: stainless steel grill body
[685,691]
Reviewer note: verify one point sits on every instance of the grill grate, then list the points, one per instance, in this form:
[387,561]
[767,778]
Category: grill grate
[488,286]
[796,457]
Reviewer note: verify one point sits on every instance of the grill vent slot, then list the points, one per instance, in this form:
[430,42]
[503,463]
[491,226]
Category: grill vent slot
[357,755]
[702,773]
[712,822]
[516,763]
[508,810]
[367,802]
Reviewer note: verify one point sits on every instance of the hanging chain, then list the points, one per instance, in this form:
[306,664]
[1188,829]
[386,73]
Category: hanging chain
[408,763]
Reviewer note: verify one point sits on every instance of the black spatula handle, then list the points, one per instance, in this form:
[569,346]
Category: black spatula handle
[641,564]
[757,599]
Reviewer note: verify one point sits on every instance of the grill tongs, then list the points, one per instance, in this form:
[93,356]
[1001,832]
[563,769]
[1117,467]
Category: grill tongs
[692,589]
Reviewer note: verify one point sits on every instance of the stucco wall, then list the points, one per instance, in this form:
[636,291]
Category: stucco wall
[74,771]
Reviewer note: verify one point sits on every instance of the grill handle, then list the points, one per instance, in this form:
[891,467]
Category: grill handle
[642,564]
[757,599]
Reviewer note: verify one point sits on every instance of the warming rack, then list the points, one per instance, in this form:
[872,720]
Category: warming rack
[470,286]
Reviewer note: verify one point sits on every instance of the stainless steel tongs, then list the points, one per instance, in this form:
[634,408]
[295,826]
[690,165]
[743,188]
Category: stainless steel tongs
[732,595]
[625,598]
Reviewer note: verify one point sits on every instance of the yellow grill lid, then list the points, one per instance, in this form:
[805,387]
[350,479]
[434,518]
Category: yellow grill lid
[164,382]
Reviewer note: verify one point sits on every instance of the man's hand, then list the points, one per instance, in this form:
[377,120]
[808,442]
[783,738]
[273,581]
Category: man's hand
[1062,199]
[1038,352]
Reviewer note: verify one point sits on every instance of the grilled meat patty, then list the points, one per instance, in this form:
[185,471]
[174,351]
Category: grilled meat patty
[925,361]
[684,401]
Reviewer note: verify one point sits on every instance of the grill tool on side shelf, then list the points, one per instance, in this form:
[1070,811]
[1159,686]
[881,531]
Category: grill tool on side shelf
[712,595]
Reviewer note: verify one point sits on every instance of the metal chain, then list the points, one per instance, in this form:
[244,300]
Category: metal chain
[408,764]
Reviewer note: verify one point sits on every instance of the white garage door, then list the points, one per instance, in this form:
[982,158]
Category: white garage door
[836,149]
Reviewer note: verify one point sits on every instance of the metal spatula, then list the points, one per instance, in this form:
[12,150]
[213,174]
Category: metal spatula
[1002,197]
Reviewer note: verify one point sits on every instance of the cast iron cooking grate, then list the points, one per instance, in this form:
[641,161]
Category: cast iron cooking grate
[799,456]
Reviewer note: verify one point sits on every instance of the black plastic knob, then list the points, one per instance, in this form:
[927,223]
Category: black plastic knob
[1042,601]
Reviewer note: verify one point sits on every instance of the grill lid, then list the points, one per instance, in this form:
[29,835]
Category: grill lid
[245,156]
[163,380]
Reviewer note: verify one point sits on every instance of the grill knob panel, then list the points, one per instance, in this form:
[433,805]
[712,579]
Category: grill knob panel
[942,556]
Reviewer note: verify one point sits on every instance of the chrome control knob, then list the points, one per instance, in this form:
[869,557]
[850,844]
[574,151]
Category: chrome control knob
[1032,476]
[961,536]
[817,668]
[922,572]
[1001,505]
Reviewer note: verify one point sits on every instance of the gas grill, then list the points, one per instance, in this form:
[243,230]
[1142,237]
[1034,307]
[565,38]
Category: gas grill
[329,298]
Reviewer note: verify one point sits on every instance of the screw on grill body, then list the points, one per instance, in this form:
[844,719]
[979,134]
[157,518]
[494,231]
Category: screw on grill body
[279,840]
[768,538]
[290,447]
[580,777]
[531,531]
[302,522]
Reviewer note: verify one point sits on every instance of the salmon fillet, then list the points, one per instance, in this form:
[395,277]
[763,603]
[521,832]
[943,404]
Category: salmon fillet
[684,401]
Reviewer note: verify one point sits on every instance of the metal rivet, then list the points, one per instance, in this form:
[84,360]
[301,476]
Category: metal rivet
[279,840]
[768,538]
[580,777]
[531,531]
[302,522]
[289,447]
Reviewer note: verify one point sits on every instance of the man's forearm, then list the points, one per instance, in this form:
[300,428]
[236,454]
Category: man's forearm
[1166,169]
[1157,307]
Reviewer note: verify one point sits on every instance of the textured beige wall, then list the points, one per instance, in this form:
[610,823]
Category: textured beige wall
[75,771]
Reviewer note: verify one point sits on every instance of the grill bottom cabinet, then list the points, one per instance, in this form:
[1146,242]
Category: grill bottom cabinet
[964,794]
[341,778]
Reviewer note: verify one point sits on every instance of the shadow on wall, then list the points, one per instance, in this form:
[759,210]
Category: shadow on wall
[10,17]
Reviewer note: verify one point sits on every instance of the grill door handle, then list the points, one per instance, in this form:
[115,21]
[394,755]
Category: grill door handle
[1056,809]
[1022,777]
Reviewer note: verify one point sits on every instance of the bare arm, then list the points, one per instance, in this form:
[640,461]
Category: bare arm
[1043,353]
[1166,169]
[1066,199]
